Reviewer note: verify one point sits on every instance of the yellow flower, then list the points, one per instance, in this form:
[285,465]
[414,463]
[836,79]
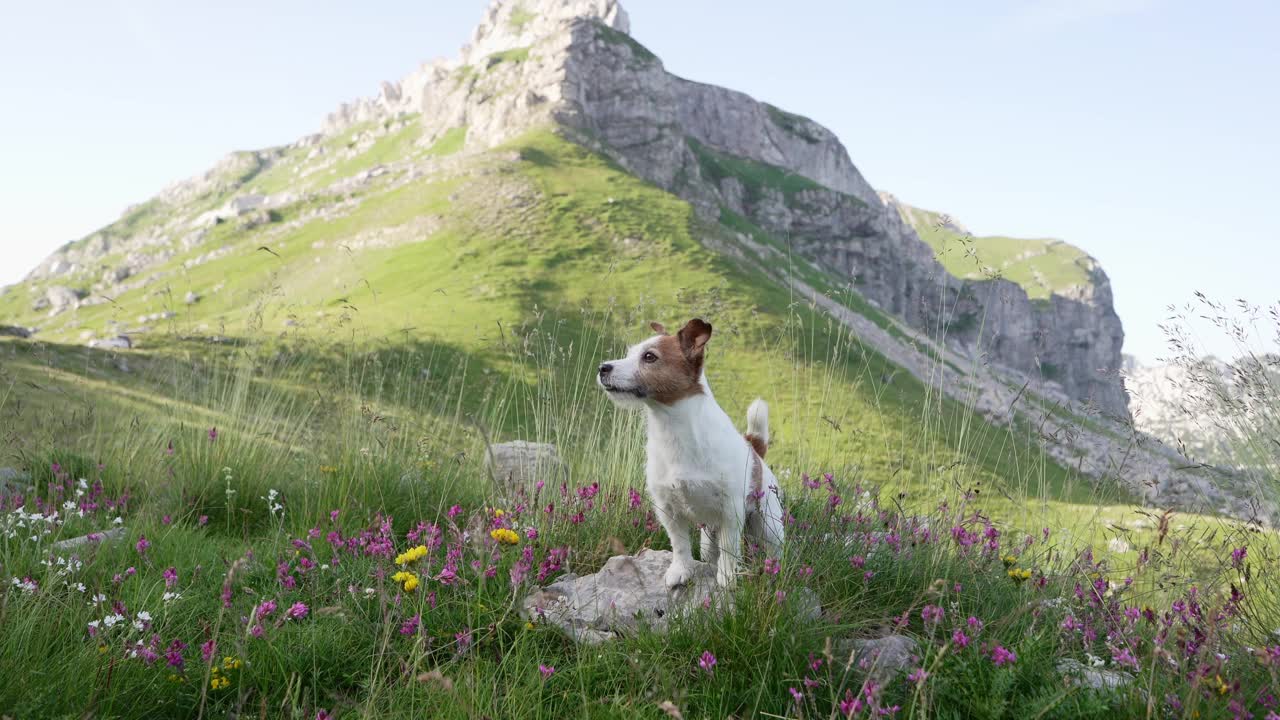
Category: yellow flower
[328,469]
[505,536]
[411,555]
[411,584]
[1223,688]
[1009,561]
[1019,575]
[499,513]
[528,626]
[102,649]
[231,663]
[219,683]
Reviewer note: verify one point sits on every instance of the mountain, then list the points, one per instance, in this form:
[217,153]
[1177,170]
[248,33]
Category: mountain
[555,164]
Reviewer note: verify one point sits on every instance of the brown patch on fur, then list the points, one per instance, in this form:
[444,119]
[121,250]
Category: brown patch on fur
[658,328]
[674,376]
[757,443]
[757,477]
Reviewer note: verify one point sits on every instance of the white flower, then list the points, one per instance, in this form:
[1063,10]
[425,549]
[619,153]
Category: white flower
[139,625]
[171,596]
[84,484]
[119,520]
[144,616]
[94,624]
[79,587]
[370,592]
[99,598]
[69,505]
[113,619]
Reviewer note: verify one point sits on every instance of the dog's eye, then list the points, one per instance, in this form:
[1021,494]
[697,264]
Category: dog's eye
[649,357]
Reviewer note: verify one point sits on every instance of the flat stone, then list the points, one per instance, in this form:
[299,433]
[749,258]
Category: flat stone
[626,595]
[115,533]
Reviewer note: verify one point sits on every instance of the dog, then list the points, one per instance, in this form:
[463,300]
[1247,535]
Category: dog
[699,470]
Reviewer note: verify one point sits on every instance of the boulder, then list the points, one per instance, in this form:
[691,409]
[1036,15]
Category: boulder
[60,298]
[519,464]
[1096,678]
[115,533]
[119,342]
[191,298]
[15,482]
[14,331]
[627,594]
[882,657]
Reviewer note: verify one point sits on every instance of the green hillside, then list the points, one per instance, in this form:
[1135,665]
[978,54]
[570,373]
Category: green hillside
[1042,267]
[324,405]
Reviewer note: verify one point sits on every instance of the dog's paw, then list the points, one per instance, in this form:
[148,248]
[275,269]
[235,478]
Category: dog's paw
[677,575]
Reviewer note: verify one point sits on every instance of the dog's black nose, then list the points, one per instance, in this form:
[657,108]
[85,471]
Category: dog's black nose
[605,369]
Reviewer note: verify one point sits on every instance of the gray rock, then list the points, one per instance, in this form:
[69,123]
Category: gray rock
[14,331]
[881,657]
[1096,678]
[191,298]
[114,534]
[15,482]
[119,342]
[519,464]
[627,594]
[60,298]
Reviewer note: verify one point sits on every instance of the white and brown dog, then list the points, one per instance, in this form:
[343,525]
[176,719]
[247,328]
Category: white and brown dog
[699,469]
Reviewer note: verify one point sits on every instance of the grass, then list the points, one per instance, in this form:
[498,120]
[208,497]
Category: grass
[1041,267]
[507,281]
[754,176]
[513,56]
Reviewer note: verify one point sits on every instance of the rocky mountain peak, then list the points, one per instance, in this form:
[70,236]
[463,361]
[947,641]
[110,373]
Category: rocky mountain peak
[509,24]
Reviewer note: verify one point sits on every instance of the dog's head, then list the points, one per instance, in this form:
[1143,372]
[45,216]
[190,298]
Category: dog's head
[664,369]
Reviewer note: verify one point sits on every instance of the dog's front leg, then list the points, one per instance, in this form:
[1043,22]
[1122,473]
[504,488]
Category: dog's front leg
[730,541]
[710,545]
[681,570]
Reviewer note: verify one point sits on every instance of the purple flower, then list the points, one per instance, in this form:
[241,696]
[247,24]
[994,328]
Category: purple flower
[796,695]
[410,626]
[207,649]
[850,705]
[297,611]
[918,676]
[1000,656]
[170,577]
[960,639]
[1238,555]
[266,609]
[932,614]
[634,498]
[204,520]
[975,625]
[257,631]
[213,434]
[455,511]
[546,670]
[142,544]
[707,662]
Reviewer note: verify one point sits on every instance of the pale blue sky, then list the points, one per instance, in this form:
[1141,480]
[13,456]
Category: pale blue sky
[1144,131]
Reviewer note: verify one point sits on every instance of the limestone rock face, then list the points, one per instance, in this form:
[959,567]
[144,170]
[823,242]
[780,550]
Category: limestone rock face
[571,63]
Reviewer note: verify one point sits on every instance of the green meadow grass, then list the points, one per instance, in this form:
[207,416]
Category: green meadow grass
[368,383]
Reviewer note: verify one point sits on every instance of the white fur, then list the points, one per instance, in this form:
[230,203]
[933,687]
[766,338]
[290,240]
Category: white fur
[698,473]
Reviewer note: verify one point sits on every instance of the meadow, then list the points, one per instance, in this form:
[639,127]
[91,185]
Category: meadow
[286,512]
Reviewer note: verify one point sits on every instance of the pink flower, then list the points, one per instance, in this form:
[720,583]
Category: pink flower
[410,626]
[796,695]
[1000,656]
[1238,555]
[213,434]
[547,671]
[455,511]
[297,611]
[634,498]
[850,705]
[142,545]
[265,609]
[207,649]
[170,577]
[257,631]
[707,662]
[932,614]
[204,520]
[918,676]
[975,625]
[960,639]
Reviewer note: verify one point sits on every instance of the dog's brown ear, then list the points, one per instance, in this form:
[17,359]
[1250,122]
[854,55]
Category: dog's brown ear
[658,328]
[694,336]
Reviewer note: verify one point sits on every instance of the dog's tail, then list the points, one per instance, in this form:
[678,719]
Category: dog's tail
[758,426]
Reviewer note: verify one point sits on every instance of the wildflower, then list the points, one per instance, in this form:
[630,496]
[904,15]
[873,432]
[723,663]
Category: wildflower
[265,609]
[960,639]
[505,536]
[634,498]
[219,682]
[707,662]
[412,555]
[1019,575]
[974,624]
[407,580]
[231,663]
[546,670]
[1009,560]
[297,611]
[257,631]
[1238,555]
[850,705]
[772,566]
[918,676]
[1000,656]
[213,434]
[410,626]
[932,614]
[207,649]
[796,695]
[170,577]
[454,511]
[204,520]
[142,544]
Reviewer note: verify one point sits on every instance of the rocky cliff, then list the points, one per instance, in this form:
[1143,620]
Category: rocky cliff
[572,63]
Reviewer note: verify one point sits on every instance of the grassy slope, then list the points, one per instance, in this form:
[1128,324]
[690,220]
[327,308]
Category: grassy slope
[1042,267]
[492,321]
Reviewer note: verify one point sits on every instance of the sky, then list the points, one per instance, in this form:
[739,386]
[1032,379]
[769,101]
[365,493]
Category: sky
[1143,131]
